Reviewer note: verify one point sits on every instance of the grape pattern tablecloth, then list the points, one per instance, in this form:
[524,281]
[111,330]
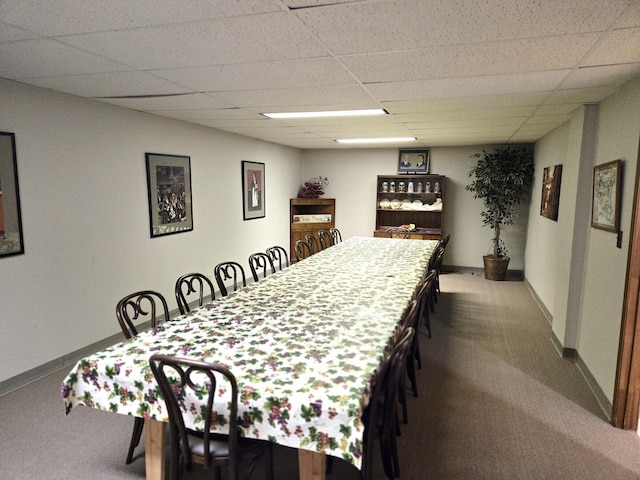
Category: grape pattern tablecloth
[304,344]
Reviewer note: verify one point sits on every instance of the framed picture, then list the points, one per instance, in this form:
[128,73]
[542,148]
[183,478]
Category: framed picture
[607,182]
[551,180]
[252,190]
[413,161]
[11,241]
[169,186]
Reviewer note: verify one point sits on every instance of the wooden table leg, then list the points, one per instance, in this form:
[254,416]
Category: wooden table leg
[154,449]
[311,465]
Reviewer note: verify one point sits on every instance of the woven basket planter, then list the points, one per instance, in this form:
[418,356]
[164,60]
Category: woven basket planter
[495,268]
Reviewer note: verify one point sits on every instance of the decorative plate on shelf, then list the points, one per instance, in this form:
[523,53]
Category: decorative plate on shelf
[416,205]
[384,203]
[406,204]
[395,204]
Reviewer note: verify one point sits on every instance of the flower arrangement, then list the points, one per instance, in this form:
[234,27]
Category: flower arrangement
[313,188]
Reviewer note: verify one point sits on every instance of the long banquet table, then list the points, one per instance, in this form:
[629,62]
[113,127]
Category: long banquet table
[304,344]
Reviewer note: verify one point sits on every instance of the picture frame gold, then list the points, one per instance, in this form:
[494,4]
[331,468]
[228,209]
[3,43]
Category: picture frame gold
[607,187]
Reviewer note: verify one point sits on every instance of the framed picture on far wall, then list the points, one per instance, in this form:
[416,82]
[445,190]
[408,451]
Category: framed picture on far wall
[413,161]
[550,202]
[169,187]
[253,192]
[607,182]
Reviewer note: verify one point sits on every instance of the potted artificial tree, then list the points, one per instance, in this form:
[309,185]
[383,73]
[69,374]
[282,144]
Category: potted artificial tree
[502,179]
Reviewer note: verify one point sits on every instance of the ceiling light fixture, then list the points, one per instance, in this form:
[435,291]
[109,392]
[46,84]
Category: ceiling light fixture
[328,113]
[376,140]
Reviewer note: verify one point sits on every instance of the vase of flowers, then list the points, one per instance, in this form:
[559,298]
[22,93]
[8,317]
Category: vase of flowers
[313,188]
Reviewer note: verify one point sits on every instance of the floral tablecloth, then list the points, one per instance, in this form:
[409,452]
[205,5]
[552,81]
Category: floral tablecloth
[304,344]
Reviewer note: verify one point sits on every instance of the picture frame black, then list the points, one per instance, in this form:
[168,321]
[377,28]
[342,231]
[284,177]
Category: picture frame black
[253,190]
[11,237]
[169,189]
[607,189]
[414,161]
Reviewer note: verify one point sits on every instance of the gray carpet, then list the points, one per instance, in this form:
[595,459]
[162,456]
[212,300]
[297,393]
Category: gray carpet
[495,402]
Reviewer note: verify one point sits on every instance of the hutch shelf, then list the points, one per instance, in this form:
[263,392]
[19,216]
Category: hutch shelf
[410,200]
[307,216]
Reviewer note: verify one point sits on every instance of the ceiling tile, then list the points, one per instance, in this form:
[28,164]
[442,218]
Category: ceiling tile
[495,58]
[619,46]
[612,75]
[284,74]
[47,58]
[250,39]
[67,17]
[193,102]
[405,24]
[109,84]
[314,97]
[468,86]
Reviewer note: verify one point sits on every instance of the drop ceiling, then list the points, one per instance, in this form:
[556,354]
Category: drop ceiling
[449,72]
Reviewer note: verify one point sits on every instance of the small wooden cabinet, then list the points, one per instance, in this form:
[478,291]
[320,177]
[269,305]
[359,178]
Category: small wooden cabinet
[403,200]
[307,216]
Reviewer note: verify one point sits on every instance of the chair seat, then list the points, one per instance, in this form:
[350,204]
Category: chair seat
[219,446]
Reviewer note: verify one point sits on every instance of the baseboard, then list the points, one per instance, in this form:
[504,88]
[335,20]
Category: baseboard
[30,376]
[36,373]
[601,398]
[538,300]
[512,275]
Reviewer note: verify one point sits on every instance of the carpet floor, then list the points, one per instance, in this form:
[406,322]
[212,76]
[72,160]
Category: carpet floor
[495,402]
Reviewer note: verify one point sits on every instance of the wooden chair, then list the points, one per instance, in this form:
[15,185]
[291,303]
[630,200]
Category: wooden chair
[229,271]
[190,284]
[438,256]
[260,262]
[397,232]
[312,240]
[278,256]
[336,236]
[425,295]
[381,416]
[140,307]
[302,250]
[179,377]
[325,239]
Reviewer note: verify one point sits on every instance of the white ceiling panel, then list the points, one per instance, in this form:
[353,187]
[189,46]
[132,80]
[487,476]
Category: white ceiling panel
[11,33]
[494,58]
[612,75]
[189,104]
[250,39]
[454,72]
[109,84]
[305,72]
[619,46]
[467,86]
[410,24]
[48,58]
[282,99]
[68,17]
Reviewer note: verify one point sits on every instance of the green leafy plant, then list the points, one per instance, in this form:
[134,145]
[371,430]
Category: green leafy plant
[502,179]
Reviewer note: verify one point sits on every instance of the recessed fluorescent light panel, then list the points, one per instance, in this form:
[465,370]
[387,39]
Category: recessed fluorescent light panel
[376,140]
[329,113]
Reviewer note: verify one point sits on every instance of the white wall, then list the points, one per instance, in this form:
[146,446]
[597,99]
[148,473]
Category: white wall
[81,167]
[353,173]
[618,135]
[577,271]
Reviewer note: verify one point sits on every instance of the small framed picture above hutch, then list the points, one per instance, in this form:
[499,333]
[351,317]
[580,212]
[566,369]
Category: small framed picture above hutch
[413,161]
[411,201]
